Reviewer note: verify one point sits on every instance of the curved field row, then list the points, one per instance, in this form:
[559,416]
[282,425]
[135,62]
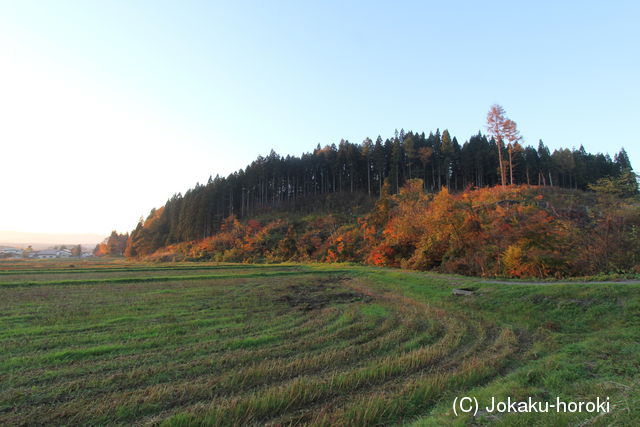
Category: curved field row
[463,353]
[25,274]
[231,274]
[316,348]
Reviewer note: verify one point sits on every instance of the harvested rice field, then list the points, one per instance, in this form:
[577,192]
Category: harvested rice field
[216,344]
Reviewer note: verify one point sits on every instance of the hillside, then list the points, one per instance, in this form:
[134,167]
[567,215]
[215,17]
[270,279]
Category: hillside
[519,231]
[412,201]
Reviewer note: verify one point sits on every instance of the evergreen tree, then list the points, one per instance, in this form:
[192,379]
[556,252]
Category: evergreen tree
[299,183]
[446,150]
[624,185]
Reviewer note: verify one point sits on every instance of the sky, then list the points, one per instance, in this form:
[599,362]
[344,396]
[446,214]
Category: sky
[109,108]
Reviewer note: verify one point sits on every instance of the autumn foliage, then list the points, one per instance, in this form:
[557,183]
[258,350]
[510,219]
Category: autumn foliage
[114,245]
[514,231]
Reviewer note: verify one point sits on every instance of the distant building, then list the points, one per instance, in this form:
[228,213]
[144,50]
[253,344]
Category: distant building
[48,253]
[64,253]
[11,252]
[52,253]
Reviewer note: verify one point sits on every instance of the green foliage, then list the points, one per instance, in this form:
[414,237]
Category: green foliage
[347,178]
[624,185]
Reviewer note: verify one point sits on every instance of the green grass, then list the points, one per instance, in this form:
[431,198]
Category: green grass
[146,278]
[119,343]
[12,274]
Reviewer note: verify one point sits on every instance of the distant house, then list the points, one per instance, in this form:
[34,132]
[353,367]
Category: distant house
[11,252]
[64,253]
[52,253]
[48,253]
[87,254]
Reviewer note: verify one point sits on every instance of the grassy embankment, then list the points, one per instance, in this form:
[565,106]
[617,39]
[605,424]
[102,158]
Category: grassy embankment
[320,344]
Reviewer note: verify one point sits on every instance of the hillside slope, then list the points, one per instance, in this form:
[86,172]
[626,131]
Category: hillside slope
[413,201]
[515,231]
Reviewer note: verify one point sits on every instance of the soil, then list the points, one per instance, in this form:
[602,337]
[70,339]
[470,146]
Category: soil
[319,294]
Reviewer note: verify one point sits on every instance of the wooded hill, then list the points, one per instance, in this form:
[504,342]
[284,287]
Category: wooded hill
[333,187]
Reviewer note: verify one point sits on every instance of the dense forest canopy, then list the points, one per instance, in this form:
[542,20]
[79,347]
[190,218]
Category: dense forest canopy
[369,171]
[437,158]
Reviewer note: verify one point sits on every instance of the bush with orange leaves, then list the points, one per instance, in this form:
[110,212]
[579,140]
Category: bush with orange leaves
[346,245]
[488,232]
[515,231]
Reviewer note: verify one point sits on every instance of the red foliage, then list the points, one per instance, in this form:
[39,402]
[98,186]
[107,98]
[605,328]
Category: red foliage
[516,231]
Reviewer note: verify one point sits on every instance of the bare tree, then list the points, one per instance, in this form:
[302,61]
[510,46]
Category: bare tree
[512,135]
[501,128]
[495,127]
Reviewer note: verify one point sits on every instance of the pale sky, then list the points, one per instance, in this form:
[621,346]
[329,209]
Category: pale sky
[108,108]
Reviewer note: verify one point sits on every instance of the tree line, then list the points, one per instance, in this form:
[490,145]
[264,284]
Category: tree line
[114,245]
[438,159]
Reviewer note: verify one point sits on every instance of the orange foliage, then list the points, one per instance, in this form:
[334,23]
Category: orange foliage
[516,231]
[495,231]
